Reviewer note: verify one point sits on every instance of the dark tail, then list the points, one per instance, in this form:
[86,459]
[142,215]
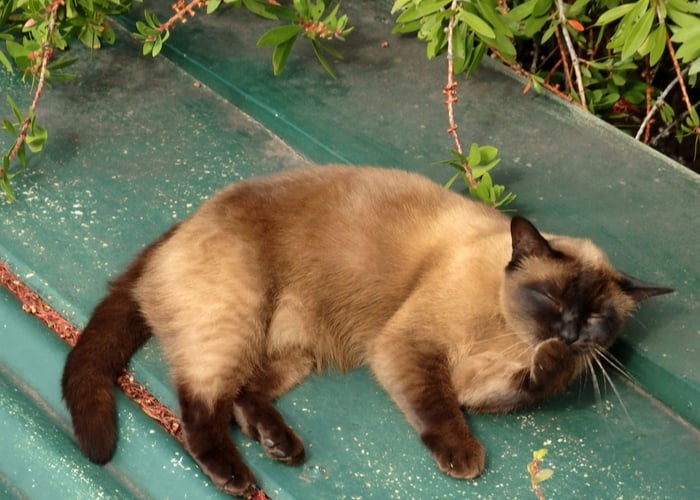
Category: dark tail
[114,333]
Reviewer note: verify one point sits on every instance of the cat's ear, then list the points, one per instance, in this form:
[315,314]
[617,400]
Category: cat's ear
[640,290]
[527,241]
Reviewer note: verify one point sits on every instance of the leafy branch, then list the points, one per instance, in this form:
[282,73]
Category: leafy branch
[306,17]
[451,27]
[538,475]
[634,63]
[34,58]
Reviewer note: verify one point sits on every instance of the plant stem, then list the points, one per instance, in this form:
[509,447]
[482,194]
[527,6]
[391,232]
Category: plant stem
[181,10]
[450,90]
[572,53]
[535,469]
[679,73]
[659,102]
[667,130]
[521,71]
[46,53]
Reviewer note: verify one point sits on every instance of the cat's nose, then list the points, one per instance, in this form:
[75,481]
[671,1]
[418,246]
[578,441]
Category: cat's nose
[569,333]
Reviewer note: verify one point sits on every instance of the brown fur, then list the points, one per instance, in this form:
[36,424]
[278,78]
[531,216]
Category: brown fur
[448,302]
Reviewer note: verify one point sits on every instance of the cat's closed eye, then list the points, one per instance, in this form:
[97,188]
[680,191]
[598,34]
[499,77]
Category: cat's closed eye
[539,299]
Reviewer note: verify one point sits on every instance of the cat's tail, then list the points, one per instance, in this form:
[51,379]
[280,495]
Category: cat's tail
[115,332]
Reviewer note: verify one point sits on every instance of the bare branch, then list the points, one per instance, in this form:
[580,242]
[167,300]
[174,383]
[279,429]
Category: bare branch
[659,102]
[450,90]
[572,53]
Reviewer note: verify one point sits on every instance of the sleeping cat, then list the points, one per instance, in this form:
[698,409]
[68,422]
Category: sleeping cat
[447,301]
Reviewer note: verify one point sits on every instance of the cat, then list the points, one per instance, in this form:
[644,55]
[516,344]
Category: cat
[450,303]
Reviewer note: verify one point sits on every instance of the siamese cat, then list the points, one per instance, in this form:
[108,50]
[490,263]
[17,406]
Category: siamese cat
[448,302]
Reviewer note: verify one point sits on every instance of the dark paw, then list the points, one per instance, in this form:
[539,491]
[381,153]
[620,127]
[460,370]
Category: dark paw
[229,474]
[259,420]
[553,363]
[461,459]
[238,486]
[283,445]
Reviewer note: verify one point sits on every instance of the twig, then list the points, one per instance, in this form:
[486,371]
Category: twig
[535,468]
[564,61]
[181,10]
[46,53]
[668,128]
[647,94]
[523,72]
[658,103]
[450,90]
[572,53]
[679,73]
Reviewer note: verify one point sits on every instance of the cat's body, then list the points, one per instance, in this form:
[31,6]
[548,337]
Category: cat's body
[448,302]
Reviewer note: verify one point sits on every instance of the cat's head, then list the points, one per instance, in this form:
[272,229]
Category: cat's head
[566,287]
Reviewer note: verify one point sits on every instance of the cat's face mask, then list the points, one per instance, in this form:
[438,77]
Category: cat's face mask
[566,288]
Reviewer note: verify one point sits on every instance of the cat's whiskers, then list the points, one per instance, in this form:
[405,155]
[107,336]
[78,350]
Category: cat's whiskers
[615,363]
[594,378]
[639,321]
[606,376]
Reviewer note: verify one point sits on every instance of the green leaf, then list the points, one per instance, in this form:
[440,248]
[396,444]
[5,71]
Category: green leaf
[269,11]
[488,153]
[15,109]
[520,12]
[36,140]
[481,170]
[321,58]
[694,67]
[16,50]
[689,51]
[279,35]
[657,44]
[157,46]
[89,38]
[615,13]
[6,125]
[62,62]
[4,180]
[682,19]
[452,180]
[686,34]
[302,7]
[5,61]
[638,34]
[423,9]
[542,475]
[539,454]
[398,5]
[474,157]
[212,5]
[280,55]
[459,44]
[475,58]
[477,24]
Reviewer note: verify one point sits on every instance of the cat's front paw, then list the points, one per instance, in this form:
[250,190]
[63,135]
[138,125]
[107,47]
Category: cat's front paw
[553,365]
[462,458]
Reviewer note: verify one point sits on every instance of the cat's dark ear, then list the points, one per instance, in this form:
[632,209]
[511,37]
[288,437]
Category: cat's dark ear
[640,290]
[527,241]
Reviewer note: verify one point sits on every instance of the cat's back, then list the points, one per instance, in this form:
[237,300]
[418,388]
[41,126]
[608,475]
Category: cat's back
[337,196]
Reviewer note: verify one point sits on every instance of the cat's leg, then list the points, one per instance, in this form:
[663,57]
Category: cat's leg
[206,432]
[255,413]
[416,374]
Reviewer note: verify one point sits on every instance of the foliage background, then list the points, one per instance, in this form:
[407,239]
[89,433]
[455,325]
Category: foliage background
[634,64]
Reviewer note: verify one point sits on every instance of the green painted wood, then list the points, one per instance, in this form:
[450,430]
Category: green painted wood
[573,173]
[135,145]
